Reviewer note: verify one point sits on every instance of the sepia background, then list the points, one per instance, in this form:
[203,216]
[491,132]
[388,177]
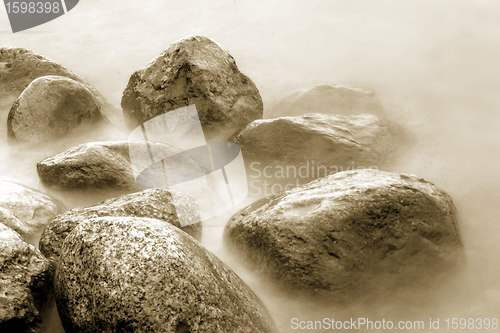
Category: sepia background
[434,65]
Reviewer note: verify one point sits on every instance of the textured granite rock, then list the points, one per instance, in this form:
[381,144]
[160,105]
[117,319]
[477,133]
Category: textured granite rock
[26,210]
[350,236]
[104,165]
[329,99]
[51,108]
[142,275]
[156,203]
[194,70]
[317,142]
[19,67]
[24,281]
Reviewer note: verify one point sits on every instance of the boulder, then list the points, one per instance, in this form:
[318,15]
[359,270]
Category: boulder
[329,99]
[24,281]
[313,145]
[351,236]
[143,275]
[194,70]
[163,205]
[50,108]
[26,210]
[19,67]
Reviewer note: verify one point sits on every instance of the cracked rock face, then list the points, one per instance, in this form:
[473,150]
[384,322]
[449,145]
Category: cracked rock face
[50,108]
[142,275]
[328,99]
[155,203]
[26,210]
[24,281]
[350,235]
[19,67]
[194,70]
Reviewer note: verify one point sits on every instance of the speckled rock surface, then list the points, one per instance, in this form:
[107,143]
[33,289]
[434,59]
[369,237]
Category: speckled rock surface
[24,280]
[329,99]
[19,66]
[319,142]
[194,70]
[51,108]
[26,210]
[155,203]
[100,165]
[350,235]
[142,275]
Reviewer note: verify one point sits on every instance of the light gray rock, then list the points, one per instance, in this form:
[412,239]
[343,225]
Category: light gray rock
[351,236]
[24,282]
[329,99]
[143,275]
[52,108]
[194,70]
[26,210]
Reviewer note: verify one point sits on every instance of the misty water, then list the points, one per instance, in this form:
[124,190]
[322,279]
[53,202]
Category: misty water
[433,64]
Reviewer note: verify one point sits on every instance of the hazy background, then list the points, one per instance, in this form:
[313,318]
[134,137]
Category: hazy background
[435,65]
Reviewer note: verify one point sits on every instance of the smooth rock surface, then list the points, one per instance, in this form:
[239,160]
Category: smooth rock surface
[143,275]
[19,67]
[328,99]
[26,210]
[194,70]
[24,281]
[350,236]
[51,108]
[160,204]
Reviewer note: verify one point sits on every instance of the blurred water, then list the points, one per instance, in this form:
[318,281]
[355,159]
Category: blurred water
[434,64]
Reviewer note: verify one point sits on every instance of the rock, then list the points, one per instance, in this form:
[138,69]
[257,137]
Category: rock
[143,275]
[329,99]
[50,108]
[19,67]
[24,282]
[194,70]
[155,203]
[352,235]
[313,145]
[26,210]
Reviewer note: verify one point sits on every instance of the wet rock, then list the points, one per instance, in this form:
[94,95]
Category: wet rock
[314,145]
[139,274]
[26,210]
[329,99]
[351,236]
[24,281]
[194,70]
[19,67]
[51,108]
[164,205]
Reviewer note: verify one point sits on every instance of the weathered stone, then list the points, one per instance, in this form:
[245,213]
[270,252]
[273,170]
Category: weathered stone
[329,99]
[50,108]
[19,67]
[24,281]
[350,235]
[158,204]
[26,210]
[194,70]
[139,274]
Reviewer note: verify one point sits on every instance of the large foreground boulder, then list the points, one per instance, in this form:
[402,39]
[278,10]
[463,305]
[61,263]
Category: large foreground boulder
[329,99]
[26,210]
[19,67]
[164,205]
[51,108]
[24,281]
[314,145]
[351,235]
[194,70]
[142,275]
